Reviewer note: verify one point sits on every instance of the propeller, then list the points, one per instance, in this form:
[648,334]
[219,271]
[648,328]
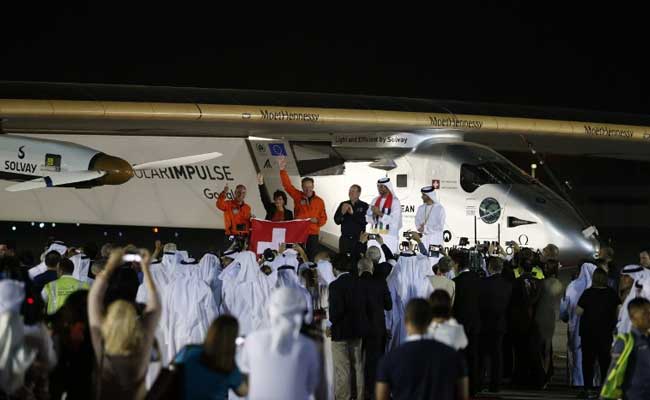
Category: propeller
[56,179]
[177,161]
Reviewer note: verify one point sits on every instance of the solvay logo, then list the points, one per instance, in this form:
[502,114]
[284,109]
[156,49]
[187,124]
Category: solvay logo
[21,153]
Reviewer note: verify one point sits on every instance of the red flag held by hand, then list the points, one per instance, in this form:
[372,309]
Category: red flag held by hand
[270,234]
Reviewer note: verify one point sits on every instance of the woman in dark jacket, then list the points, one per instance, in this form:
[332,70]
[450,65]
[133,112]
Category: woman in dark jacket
[276,209]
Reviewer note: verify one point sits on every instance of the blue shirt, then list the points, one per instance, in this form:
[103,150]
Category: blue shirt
[636,385]
[201,382]
[422,369]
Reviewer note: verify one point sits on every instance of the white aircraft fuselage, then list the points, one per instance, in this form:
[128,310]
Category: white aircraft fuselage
[486,197]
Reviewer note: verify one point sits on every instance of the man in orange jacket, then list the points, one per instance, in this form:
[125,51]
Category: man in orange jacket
[236,213]
[306,205]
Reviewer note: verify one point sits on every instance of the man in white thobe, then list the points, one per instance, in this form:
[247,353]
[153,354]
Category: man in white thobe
[191,308]
[568,313]
[384,215]
[640,286]
[285,266]
[282,363]
[252,291]
[430,218]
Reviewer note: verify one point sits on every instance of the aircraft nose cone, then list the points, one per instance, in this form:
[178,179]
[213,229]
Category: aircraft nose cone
[118,171]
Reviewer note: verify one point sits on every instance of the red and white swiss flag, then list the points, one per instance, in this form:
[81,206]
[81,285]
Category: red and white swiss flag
[269,235]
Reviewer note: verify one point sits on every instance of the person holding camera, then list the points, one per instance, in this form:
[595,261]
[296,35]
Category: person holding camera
[351,215]
[430,218]
[236,213]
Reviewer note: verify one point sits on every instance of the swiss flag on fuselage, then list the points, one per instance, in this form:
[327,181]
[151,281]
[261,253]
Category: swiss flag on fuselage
[269,234]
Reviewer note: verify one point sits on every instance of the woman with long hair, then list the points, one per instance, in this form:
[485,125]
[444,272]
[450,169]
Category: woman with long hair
[122,339]
[210,370]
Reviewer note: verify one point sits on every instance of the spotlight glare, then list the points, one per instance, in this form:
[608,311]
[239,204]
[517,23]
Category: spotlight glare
[13,228]
[41,225]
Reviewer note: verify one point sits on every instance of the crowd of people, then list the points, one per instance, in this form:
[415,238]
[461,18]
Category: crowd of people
[380,319]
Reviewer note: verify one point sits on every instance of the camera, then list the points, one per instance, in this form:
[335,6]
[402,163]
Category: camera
[407,235]
[463,241]
[434,251]
[131,258]
[288,245]
[511,243]
[372,236]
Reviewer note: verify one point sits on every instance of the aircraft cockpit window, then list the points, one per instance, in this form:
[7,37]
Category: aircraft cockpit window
[52,162]
[402,180]
[491,172]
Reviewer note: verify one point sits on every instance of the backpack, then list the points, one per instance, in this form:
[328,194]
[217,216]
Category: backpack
[612,387]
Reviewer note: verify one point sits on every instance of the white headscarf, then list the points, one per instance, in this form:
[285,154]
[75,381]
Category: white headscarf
[286,309]
[249,270]
[430,192]
[15,356]
[12,294]
[634,271]
[209,268]
[412,272]
[389,185]
[584,279]
[289,257]
[325,272]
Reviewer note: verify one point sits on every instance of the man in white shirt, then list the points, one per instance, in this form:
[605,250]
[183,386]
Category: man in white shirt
[282,363]
[430,218]
[384,215]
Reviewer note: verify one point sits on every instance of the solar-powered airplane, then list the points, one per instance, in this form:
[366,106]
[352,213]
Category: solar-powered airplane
[342,140]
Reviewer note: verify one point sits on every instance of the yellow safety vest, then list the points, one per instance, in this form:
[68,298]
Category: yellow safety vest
[536,272]
[612,388]
[59,290]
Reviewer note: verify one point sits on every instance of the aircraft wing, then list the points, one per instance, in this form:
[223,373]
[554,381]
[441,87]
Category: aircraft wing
[56,179]
[353,127]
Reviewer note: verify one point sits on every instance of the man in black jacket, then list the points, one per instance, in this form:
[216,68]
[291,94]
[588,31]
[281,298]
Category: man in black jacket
[494,300]
[349,324]
[467,312]
[351,215]
[376,299]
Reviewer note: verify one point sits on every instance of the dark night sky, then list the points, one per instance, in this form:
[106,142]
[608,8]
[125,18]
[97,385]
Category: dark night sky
[548,56]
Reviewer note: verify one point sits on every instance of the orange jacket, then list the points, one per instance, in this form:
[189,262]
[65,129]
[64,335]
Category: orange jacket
[304,208]
[234,214]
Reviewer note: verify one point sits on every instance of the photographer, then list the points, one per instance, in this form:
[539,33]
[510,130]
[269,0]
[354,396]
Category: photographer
[364,238]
